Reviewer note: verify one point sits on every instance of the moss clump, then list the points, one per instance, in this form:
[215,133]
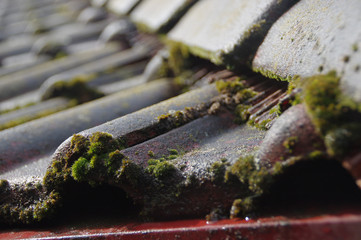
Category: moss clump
[241,207]
[27,204]
[178,57]
[101,159]
[233,96]
[218,170]
[182,58]
[162,168]
[150,153]
[179,118]
[252,180]
[77,88]
[46,208]
[260,125]
[85,160]
[229,86]
[336,117]
[247,172]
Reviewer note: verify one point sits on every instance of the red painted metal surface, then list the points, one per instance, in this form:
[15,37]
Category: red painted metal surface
[342,226]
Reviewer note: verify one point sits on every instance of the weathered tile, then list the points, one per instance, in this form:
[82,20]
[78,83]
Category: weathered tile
[30,79]
[108,63]
[227,32]
[315,37]
[121,7]
[39,137]
[159,15]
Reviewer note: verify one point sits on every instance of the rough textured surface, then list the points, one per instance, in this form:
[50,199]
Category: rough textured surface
[315,37]
[200,144]
[122,7]
[293,134]
[39,137]
[29,79]
[154,19]
[213,30]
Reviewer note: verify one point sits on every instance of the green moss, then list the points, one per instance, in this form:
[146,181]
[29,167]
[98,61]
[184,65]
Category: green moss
[178,57]
[242,113]
[80,169]
[272,74]
[241,207]
[150,153]
[52,49]
[173,151]
[218,170]
[230,86]
[17,108]
[86,159]
[179,118]
[22,120]
[100,157]
[260,125]
[46,208]
[4,185]
[234,94]
[355,47]
[336,117]
[129,173]
[162,168]
[276,110]
[77,88]
[20,206]
[321,95]
[142,27]
[290,143]
[246,172]
[316,155]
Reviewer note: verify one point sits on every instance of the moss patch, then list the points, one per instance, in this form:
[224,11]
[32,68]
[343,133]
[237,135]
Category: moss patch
[162,168]
[27,204]
[77,89]
[179,118]
[336,117]
[233,95]
[41,114]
